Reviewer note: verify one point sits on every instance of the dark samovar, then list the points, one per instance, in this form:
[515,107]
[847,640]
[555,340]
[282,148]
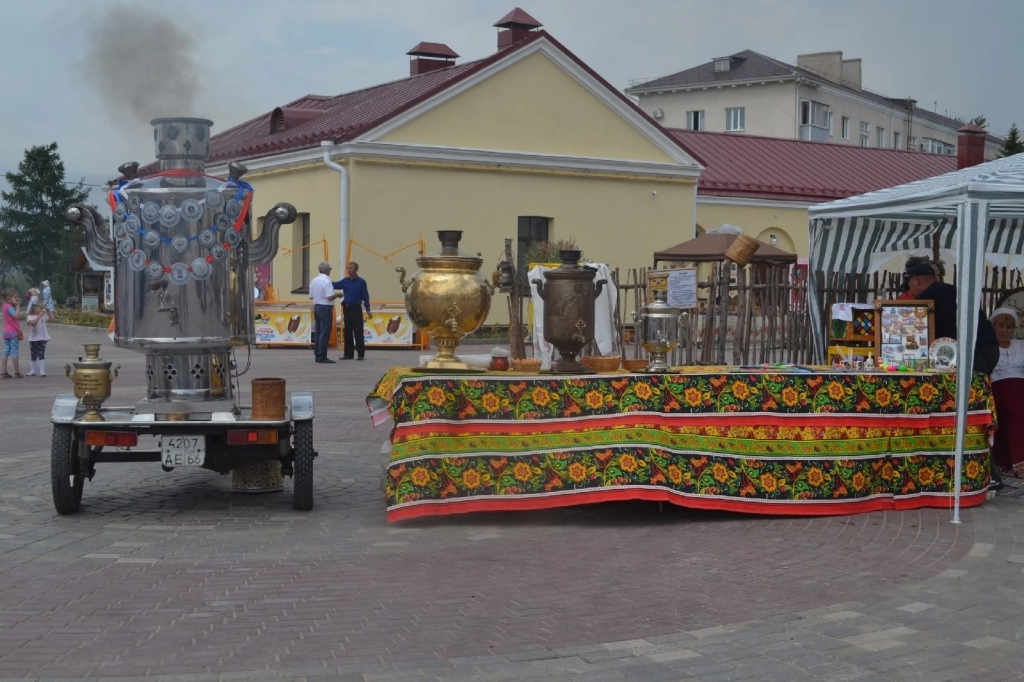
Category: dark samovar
[569,293]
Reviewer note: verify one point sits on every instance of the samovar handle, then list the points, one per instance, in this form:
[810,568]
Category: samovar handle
[68,372]
[401,279]
[113,372]
[540,288]
[493,284]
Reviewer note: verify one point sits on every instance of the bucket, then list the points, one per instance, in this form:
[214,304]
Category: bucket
[261,477]
[268,399]
[742,249]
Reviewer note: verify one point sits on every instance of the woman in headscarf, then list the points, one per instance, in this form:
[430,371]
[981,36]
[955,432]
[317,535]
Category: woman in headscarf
[1007,388]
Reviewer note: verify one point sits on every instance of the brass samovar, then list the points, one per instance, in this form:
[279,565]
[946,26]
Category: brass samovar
[92,377]
[447,298]
[569,293]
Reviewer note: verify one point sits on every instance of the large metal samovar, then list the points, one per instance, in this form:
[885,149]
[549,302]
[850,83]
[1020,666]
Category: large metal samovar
[182,253]
[569,293]
[658,324]
[447,298]
[92,376]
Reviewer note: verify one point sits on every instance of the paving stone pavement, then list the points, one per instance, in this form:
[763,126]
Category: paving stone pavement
[170,576]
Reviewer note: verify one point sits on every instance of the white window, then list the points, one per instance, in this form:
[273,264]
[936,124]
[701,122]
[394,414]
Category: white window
[880,137]
[896,137]
[935,146]
[695,120]
[863,140]
[813,114]
[912,144]
[722,64]
[846,127]
[831,128]
[864,127]
[735,118]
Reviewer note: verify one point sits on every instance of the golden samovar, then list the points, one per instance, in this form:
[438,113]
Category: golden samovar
[92,376]
[447,298]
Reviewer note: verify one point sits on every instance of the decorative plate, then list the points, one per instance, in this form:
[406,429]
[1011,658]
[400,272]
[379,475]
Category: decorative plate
[942,353]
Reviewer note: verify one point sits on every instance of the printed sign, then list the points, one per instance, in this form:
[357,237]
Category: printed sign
[389,326]
[682,288]
[904,332]
[284,324]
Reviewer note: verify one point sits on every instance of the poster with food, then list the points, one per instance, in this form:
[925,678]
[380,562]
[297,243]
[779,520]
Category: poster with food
[904,331]
[284,324]
[389,326]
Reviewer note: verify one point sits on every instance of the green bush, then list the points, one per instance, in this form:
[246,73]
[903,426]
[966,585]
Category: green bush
[81,318]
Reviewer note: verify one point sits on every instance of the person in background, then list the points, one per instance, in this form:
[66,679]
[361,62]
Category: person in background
[37,316]
[321,291]
[12,334]
[356,297]
[47,296]
[1007,388]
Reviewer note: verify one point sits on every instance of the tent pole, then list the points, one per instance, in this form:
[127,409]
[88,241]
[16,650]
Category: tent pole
[972,223]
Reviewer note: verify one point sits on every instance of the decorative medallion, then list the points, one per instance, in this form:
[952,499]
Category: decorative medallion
[150,212]
[208,238]
[137,261]
[155,270]
[120,212]
[120,231]
[191,209]
[222,221]
[126,246]
[201,270]
[180,274]
[233,237]
[132,224]
[213,199]
[218,252]
[133,201]
[179,244]
[169,216]
[152,239]
[233,208]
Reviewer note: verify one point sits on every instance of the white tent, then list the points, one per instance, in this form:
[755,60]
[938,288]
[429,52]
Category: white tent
[975,214]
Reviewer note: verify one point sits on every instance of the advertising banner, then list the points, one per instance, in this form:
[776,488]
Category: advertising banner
[284,324]
[389,325]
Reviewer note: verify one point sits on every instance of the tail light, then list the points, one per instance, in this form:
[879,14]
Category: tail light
[252,437]
[112,438]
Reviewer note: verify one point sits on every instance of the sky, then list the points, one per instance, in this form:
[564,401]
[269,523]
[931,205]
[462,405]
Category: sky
[89,74]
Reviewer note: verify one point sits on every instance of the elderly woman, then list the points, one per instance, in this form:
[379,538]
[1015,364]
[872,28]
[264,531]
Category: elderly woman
[1008,389]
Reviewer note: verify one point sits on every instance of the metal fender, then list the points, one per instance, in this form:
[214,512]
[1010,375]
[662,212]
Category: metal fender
[302,406]
[64,408]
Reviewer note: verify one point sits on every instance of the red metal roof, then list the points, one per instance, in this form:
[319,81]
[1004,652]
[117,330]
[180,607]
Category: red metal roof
[425,49]
[351,114]
[518,16]
[792,170]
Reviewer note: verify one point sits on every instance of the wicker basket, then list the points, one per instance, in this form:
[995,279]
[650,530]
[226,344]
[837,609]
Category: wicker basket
[742,249]
[526,365]
[601,363]
[637,365]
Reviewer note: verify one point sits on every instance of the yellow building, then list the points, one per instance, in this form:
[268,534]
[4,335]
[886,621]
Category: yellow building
[527,143]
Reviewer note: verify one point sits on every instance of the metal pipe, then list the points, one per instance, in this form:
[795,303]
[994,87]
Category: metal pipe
[327,146]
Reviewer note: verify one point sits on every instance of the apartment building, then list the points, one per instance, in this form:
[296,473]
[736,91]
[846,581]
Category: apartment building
[821,99]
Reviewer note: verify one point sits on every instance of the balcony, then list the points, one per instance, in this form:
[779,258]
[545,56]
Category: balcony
[813,133]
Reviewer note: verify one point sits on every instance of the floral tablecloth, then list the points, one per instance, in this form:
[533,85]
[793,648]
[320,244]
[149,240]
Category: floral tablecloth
[804,443]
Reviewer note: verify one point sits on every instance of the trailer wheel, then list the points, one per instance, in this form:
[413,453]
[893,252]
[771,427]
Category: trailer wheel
[302,478]
[66,476]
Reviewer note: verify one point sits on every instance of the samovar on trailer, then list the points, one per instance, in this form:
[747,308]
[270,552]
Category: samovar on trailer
[182,251]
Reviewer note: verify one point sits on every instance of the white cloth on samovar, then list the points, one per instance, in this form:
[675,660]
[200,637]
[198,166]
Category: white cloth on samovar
[604,315]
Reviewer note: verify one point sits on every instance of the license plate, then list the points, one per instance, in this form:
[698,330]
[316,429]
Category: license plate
[183,451]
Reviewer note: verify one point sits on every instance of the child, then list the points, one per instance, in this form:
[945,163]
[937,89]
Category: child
[12,334]
[38,315]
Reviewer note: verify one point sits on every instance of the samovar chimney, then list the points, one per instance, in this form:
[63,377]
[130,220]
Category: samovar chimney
[182,143]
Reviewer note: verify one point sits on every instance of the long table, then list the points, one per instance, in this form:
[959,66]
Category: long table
[763,442]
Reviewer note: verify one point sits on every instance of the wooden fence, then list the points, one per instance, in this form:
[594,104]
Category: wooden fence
[762,316]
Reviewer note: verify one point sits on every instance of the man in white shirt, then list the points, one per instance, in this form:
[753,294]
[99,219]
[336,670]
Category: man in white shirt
[321,290]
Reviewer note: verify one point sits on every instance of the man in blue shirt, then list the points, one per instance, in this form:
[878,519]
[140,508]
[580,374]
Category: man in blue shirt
[356,297]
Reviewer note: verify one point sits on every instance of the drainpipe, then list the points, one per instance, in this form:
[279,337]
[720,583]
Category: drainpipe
[327,146]
[796,120]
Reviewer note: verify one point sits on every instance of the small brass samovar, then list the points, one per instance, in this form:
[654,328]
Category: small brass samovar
[447,298]
[92,376]
[569,293]
[658,324]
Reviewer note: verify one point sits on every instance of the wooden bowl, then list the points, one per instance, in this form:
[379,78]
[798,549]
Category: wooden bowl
[526,365]
[637,365]
[601,363]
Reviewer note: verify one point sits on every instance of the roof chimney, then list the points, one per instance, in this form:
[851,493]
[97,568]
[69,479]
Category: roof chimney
[970,146]
[429,57]
[518,25]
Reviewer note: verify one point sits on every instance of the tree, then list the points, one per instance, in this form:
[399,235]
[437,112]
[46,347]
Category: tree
[979,121]
[1013,144]
[32,237]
